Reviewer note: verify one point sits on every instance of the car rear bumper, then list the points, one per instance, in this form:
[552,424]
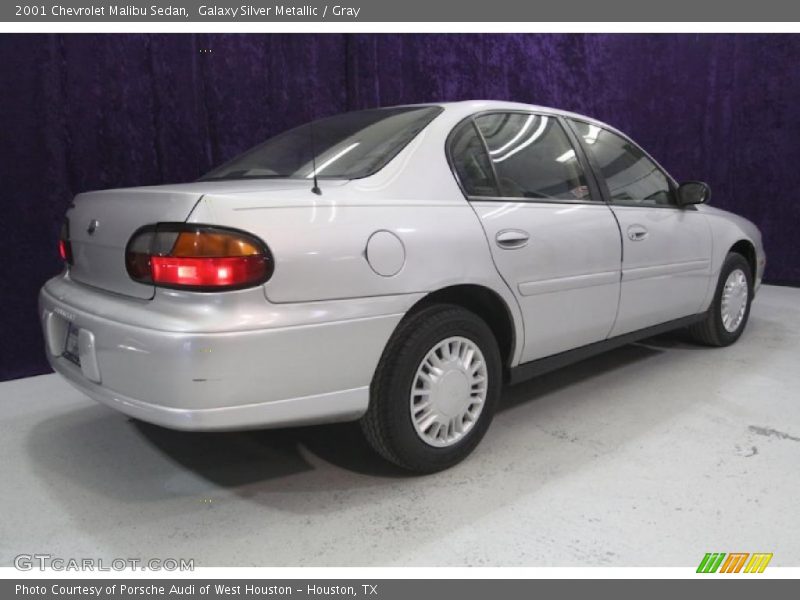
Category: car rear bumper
[312,364]
[343,405]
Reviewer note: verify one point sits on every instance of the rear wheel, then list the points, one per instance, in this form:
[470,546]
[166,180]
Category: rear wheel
[727,316]
[435,389]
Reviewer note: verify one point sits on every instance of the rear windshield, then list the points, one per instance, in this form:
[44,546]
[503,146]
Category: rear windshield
[347,146]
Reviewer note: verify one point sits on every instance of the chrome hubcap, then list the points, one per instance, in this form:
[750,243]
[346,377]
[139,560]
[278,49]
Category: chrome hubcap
[448,392]
[734,300]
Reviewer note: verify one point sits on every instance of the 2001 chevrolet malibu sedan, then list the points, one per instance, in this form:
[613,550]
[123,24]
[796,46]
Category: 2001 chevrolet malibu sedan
[393,265]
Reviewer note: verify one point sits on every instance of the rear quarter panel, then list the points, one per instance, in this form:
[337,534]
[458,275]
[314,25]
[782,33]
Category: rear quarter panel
[319,243]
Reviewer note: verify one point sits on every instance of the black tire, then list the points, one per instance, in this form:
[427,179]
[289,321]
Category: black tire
[388,425]
[711,331]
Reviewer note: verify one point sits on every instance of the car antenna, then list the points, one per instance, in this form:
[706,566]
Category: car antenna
[315,189]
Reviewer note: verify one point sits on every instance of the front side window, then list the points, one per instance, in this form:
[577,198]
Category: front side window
[347,146]
[632,178]
[532,157]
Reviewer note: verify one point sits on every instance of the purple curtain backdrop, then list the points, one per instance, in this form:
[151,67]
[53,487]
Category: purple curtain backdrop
[83,112]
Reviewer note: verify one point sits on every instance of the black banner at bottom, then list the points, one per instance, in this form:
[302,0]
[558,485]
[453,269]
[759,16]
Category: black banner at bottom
[390,589]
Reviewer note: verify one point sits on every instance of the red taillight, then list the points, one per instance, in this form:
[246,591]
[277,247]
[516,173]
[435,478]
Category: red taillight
[208,272]
[197,257]
[64,245]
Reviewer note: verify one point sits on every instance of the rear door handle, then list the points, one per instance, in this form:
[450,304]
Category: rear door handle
[511,239]
[637,233]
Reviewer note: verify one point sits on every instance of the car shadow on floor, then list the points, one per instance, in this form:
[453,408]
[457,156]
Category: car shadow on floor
[269,452]
[92,445]
[552,382]
[220,455]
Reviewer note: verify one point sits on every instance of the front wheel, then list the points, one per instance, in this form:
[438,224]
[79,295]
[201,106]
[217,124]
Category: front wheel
[727,316]
[435,389]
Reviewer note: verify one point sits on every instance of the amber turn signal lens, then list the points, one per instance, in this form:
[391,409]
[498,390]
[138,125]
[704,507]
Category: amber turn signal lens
[217,245]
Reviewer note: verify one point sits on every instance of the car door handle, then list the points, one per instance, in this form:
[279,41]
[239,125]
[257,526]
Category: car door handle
[637,233]
[511,239]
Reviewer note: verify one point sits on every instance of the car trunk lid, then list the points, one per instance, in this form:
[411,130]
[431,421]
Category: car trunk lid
[101,224]
[99,257]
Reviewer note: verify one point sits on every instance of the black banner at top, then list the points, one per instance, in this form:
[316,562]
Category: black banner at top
[400,11]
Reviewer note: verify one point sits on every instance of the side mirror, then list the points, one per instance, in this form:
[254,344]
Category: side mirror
[693,192]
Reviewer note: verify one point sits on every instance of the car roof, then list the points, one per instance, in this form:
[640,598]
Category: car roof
[464,108]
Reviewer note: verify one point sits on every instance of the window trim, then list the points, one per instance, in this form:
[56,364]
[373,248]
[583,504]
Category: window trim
[596,197]
[601,180]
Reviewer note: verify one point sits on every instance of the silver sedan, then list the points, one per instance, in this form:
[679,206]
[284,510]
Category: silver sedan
[394,266]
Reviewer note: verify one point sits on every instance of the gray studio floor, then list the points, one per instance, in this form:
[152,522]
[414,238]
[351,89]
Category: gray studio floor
[652,455]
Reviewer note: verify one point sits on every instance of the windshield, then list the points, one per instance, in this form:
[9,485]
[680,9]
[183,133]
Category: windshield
[347,146]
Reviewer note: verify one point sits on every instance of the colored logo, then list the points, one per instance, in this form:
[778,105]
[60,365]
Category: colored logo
[735,562]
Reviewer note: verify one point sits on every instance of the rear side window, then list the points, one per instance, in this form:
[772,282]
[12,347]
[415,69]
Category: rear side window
[532,157]
[471,163]
[631,177]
